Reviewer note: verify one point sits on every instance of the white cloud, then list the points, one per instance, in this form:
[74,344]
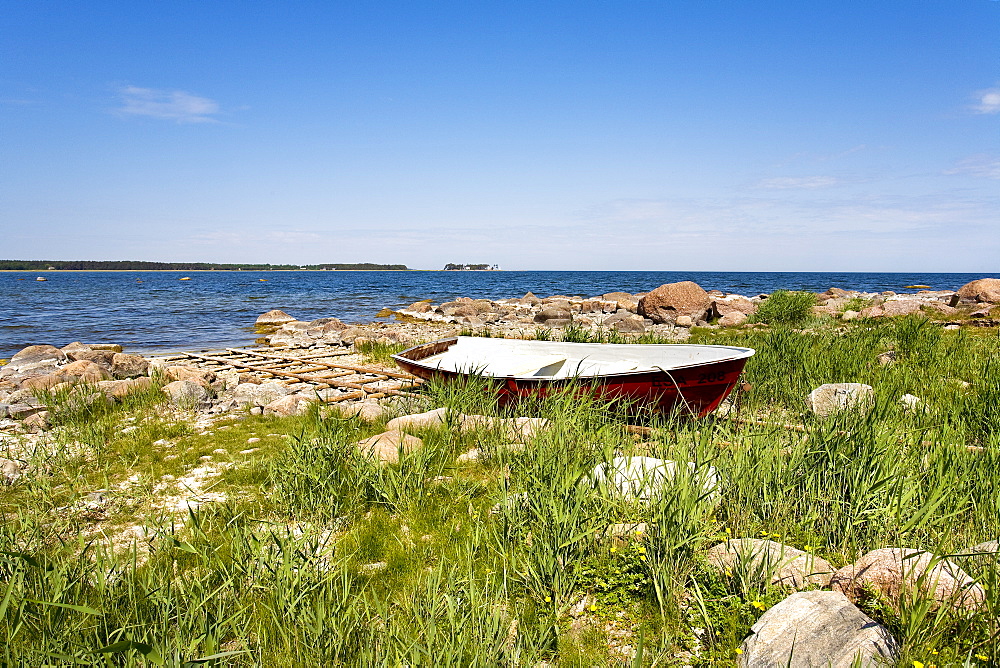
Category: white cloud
[169,105]
[988,101]
[980,164]
[798,183]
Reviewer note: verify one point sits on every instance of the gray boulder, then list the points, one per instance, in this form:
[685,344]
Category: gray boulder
[833,397]
[273,318]
[775,563]
[124,365]
[185,393]
[810,629]
[33,361]
[897,572]
[252,394]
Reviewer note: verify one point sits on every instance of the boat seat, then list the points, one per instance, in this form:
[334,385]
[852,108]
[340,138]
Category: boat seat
[503,365]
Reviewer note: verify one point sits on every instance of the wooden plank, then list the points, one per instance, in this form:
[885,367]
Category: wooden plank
[359,369]
[304,378]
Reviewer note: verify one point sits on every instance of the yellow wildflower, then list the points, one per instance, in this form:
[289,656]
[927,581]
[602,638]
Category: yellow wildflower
[739,650]
[982,657]
[548,599]
[917,664]
[593,607]
[758,605]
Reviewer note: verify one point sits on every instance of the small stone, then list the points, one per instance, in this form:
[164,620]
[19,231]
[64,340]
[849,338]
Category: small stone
[643,478]
[911,402]
[220,451]
[253,440]
[887,357]
[684,321]
[470,456]
[374,567]
[249,451]
[256,410]
[10,471]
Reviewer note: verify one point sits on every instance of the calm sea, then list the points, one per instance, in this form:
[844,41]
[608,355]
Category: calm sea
[152,311]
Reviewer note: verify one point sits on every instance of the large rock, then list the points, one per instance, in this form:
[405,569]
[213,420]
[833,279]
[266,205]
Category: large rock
[668,301]
[810,629]
[894,572]
[366,411]
[780,564]
[33,361]
[118,389]
[201,376]
[733,304]
[645,478]
[47,382]
[86,371]
[273,318]
[102,358]
[420,307]
[124,365]
[981,290]
[520,429]
[733,319]
[252,394]
[185,393]
[386,447]
[892,308]
[428,420]
[625,321]
[293,404]
[554,316]
[833,397]
[623,300]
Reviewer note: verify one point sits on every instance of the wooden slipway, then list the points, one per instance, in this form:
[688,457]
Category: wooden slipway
[312,369]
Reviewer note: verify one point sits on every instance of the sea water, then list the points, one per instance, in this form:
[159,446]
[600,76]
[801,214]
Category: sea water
[157,311]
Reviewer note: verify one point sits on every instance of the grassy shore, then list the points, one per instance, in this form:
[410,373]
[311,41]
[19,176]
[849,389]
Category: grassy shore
[305,552]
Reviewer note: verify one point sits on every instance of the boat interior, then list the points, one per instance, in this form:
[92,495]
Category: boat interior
[554,359]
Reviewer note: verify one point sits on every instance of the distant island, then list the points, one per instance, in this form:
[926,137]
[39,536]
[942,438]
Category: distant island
[471,267]
[133,265]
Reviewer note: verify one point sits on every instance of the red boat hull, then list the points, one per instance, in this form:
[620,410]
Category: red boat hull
[697,389]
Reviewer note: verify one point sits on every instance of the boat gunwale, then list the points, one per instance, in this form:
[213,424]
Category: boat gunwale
[745,353]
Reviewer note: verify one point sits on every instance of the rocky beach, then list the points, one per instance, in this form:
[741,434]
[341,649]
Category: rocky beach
[134,448]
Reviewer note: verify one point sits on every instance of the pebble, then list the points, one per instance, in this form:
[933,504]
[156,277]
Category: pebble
[253,440]
[249,451]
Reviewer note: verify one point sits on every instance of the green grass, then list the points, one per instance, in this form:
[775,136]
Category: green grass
[315,555]
[785,307]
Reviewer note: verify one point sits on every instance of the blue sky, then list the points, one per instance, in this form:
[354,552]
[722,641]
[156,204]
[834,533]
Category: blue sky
[709,135]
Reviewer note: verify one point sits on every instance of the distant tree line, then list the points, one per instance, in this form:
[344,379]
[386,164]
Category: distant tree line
[133,265]
[470,267]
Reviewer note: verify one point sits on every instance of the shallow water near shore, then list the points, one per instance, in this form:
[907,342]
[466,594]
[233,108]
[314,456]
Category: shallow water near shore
[156,311]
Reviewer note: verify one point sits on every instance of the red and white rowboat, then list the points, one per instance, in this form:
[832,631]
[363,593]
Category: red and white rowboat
[658,376]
